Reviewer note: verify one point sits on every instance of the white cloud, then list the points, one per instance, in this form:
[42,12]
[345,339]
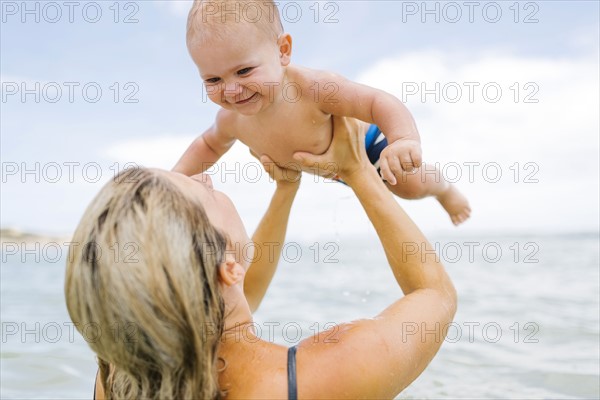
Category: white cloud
[565,111]
[155,152]
[558,133]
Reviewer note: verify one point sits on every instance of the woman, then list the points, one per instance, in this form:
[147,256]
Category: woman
[181,298]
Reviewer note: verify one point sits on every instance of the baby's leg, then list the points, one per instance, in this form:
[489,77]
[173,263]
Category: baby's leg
[421,183]
[426,182]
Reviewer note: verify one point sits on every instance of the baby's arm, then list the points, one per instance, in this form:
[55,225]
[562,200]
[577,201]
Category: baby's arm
[344,97]
[207,148]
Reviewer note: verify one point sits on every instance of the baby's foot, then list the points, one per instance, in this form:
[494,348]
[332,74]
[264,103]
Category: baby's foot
[455,204]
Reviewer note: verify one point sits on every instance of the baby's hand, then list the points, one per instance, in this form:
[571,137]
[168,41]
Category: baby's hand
[401,155]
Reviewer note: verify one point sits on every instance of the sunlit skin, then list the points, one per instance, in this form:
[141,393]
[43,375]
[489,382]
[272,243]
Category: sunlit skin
[276,109]
[359,359]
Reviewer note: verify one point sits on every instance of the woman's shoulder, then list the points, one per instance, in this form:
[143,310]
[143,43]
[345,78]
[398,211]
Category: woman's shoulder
[253,368]
[367,358]
[339,362]
[331,364]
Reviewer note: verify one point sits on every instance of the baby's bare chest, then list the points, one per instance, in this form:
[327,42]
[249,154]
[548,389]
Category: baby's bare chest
[280,137]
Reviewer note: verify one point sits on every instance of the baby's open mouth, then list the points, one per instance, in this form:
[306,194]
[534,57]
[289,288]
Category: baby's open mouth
[247,100]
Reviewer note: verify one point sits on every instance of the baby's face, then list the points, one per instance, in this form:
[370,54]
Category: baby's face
[243,71]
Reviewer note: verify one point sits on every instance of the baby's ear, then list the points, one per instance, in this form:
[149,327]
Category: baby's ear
[284,42]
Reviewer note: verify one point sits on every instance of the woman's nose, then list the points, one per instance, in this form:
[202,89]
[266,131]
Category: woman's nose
[205,179]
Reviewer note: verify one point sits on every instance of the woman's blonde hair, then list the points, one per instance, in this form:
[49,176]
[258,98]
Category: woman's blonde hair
[142,288]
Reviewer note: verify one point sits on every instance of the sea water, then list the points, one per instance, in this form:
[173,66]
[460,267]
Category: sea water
[527,324]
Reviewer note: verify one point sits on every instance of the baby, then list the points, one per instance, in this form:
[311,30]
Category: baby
[277,109]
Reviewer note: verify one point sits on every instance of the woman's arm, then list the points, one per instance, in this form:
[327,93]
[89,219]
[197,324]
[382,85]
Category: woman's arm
[377,358]
[269,236]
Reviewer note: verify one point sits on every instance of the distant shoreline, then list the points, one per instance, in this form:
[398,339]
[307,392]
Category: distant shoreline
[16,235]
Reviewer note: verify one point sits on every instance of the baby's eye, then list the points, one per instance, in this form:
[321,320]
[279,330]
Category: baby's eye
[244,71]
[212,80]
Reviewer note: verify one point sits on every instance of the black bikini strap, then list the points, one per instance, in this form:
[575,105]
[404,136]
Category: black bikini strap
[95,381]
[291,370]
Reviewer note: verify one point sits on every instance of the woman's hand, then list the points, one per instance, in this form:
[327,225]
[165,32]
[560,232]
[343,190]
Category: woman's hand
[283,176]
[346,155]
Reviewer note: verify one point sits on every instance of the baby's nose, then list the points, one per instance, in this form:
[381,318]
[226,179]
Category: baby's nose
[232,89]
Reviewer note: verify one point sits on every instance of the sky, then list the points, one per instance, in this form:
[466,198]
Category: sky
[505,95]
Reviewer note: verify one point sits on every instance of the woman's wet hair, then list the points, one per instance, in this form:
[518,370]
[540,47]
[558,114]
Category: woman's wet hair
[142,288]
